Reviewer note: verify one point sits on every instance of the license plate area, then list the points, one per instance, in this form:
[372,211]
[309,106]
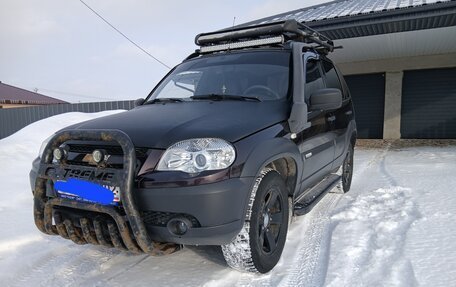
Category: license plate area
[88,192]
[116,191]
[87,184]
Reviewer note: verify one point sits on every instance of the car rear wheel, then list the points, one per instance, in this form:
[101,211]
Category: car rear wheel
[259,245]
[347,169]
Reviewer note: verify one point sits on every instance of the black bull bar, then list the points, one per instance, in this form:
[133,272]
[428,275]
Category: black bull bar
[125,231]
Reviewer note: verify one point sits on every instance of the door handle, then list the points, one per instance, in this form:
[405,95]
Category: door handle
[331,118]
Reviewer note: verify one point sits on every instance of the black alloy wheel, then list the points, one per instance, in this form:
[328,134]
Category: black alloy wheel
[259,244]
[347,169]
[269,222]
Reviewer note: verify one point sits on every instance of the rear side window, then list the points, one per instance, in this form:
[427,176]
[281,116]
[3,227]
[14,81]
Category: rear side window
[314,81]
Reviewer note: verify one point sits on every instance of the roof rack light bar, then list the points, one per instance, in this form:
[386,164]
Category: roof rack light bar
[243,44]
[289,29]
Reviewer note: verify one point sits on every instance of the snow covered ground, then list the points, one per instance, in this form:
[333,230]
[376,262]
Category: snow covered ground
[396,227]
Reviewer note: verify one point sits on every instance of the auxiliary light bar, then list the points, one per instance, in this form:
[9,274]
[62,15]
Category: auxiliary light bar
[243,44]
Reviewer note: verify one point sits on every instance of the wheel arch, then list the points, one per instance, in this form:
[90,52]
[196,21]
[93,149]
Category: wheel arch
[286,160]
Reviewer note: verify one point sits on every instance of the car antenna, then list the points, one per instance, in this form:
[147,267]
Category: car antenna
[231,38]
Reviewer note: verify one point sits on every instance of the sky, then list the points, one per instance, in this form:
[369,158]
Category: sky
[63,50]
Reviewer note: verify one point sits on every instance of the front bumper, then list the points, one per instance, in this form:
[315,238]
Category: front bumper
[217,210]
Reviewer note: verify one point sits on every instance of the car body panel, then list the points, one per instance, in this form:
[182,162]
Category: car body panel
[313,142]
[161,124]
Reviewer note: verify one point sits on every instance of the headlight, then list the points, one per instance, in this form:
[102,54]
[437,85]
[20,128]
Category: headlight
[196,155]
[44,144]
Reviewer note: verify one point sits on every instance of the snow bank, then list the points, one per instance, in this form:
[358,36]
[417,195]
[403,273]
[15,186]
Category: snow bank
[20,244]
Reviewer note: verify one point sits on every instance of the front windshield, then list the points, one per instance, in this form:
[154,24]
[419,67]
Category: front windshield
[260,74]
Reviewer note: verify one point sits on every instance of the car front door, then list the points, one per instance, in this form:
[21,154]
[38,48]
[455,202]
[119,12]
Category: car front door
[317,143]
[342,116]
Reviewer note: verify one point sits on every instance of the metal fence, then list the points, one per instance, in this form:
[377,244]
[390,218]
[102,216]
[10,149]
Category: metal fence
[14,119]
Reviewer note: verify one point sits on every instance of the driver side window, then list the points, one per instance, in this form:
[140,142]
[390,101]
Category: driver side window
[314,80]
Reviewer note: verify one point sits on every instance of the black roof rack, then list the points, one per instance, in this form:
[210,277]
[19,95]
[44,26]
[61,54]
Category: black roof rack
[263,35]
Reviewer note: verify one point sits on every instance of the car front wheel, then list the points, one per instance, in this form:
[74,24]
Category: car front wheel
[259,245]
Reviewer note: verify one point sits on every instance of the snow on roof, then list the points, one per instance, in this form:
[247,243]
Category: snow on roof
[345,8]
[14,95]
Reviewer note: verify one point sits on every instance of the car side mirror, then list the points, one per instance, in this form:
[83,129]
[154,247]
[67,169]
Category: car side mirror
[326,99]
[139,102]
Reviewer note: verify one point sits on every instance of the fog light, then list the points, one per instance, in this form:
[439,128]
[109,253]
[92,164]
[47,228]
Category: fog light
[97,155]
[179,226]
[58,153]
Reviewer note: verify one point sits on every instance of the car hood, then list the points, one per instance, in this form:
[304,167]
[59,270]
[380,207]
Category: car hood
[161,124]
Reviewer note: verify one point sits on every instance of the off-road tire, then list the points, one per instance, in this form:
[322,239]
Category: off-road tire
[259,244]
[347,169]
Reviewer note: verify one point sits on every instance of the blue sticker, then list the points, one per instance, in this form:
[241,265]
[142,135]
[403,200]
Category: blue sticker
[85,190]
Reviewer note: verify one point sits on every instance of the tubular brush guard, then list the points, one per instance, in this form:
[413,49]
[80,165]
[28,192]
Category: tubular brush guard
[111,228]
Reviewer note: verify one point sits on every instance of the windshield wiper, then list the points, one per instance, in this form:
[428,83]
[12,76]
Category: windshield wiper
[164,100]
[222,97]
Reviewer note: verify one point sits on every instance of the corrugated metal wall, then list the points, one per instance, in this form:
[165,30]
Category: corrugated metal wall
[12,120]
[429,104]
[368,94]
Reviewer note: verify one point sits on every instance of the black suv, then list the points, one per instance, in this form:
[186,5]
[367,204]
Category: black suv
[254,127]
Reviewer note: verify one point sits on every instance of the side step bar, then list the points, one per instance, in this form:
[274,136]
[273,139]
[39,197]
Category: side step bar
[305,204]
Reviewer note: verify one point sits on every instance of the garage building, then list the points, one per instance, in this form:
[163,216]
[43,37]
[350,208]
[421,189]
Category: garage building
[399,60]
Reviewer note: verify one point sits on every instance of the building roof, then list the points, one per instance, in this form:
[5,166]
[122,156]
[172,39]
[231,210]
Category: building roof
[14,95]
[357,18]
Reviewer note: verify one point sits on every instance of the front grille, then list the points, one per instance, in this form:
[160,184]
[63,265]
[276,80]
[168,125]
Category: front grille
[110,149]
[77,154]
[82,163]
[80,148]
[157,218]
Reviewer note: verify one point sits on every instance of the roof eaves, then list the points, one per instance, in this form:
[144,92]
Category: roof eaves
[399,20]
[381,20]
[292,12]
[372,15]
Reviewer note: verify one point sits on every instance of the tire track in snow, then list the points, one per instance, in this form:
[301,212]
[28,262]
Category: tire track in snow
[125,269]
[383,168]
[75,270]
[43,267]
[61,266]
[299,262]
[310,262]
[304,265]
[372,234]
